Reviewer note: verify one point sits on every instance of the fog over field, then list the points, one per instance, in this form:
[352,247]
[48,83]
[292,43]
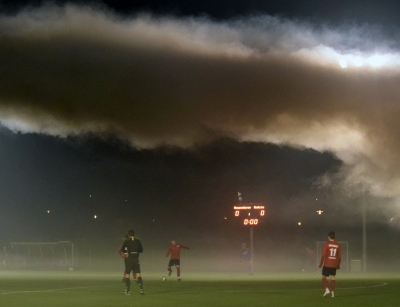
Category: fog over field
[154,120]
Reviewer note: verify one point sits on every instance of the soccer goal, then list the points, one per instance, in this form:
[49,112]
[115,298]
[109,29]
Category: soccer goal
[42,255]
[345,254]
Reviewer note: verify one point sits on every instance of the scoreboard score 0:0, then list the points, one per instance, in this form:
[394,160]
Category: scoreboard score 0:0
[249,214]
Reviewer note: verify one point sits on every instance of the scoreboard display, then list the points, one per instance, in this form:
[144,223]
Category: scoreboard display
[249,214]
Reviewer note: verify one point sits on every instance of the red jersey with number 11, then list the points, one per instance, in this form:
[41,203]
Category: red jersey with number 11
[331,255]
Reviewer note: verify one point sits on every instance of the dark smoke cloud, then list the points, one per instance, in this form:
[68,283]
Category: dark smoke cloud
[167,81]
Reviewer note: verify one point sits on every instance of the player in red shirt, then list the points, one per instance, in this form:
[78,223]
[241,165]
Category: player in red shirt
[175,251]
[330,259]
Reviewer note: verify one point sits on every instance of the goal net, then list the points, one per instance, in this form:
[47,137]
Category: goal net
[344,265]
[42,255]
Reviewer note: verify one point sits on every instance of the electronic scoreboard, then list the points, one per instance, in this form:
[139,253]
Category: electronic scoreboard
[249,214]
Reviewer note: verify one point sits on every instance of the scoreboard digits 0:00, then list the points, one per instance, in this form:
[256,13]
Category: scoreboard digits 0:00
[249,214]
[250,222]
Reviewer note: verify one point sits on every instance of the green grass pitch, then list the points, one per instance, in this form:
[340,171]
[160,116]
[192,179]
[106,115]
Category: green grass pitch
[59,289]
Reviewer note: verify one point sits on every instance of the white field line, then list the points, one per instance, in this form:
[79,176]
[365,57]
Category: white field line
[54,290]
[255,291]
[319,289]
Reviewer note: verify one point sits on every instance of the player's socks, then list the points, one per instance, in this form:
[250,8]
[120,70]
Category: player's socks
[324,283]
[333,294]
[128,284]
[169,272]
[178,272]
[140,281]
[333,285]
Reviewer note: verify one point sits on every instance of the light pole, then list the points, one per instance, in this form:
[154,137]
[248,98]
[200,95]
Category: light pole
[252,221]
[364,230]
[251,240]
[251,251]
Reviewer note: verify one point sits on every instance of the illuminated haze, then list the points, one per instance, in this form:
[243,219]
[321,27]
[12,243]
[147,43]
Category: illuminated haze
[184,81]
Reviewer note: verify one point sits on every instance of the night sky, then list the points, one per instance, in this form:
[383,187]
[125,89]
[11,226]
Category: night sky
[153,115]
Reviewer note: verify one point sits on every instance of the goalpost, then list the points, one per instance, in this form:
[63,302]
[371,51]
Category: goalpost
[345,254]
[43,255]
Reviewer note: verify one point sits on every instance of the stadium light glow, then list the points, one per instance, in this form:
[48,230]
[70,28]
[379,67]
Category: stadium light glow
[352,58]
[374,60]
[358,61]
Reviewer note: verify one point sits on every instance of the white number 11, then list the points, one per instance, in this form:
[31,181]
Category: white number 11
[333,252]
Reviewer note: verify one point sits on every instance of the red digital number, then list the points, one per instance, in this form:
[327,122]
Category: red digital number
[262,212]
[250,222]
[253,221]
[237,213]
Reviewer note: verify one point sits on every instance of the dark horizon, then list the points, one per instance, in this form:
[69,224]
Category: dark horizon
[202,227]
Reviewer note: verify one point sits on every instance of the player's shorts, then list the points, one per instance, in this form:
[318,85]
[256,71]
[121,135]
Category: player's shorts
[328,271]
[132,266]
[173,262]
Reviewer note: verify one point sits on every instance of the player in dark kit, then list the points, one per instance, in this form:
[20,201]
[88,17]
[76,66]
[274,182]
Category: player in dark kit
[132,248]
[175,251]
[122,254]
[330,259]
